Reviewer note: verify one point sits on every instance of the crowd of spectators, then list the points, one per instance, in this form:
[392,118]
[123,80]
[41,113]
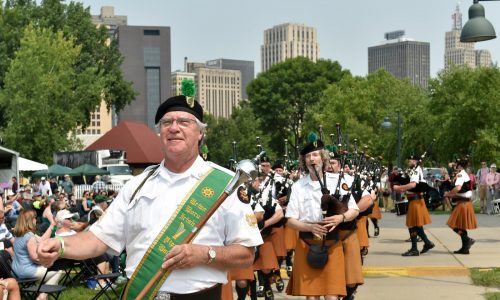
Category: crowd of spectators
[44,209]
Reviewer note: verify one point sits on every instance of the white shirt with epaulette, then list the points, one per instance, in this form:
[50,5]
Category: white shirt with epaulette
[134,224]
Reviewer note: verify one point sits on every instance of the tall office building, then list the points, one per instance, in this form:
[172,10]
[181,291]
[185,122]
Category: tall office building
[288,41]
[218,90]
[102,121]
[147,65]
[246,68]
[402,57]
[462,54]
[109,19]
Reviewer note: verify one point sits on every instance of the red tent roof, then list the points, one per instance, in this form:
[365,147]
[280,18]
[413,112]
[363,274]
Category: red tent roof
[141,143]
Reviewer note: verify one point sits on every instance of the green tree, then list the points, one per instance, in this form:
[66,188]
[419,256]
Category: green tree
[360,104]
[242,128]
[99,59]
[42,96]
[282,95]
[466,104]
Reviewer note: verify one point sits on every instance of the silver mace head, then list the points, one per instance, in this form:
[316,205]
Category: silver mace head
[246,170]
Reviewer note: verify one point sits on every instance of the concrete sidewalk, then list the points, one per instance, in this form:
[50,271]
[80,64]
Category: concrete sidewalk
[438,274]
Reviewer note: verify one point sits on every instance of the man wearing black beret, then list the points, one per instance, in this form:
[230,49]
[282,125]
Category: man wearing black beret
[155,209]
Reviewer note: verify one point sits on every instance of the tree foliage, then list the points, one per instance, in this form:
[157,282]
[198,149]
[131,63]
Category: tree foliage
[466,105]
[360,104]
[40,102]
[242,128]
[281,96]
[96,66]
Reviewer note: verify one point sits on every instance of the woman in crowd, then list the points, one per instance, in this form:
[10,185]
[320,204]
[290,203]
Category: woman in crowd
[25,261]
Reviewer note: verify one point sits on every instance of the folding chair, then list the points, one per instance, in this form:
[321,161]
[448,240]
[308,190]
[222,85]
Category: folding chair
[52,290]
[91,265]
[7,272]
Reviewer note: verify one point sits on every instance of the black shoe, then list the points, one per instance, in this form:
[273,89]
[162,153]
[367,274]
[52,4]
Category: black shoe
[427,247]
[289,270]
[260,291]
[377,231]
[280,285]
[364,251]
[269,295]
[469,244]
[411,253]
[461,251]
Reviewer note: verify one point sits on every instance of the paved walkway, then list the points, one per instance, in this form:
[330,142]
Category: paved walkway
[438,274]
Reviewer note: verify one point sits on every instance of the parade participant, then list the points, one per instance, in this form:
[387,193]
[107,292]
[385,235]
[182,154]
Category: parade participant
[272,235]
[322,274]
[375,216]
[245,276]
[283,189]
[348,232]
[462,216]
[155,211]
[417,215]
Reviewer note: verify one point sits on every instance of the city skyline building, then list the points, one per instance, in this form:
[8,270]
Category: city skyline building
[109,19]
[146,52]
[246,68]
[218,90]
[462,54]
[288,40]
[403,57]
[177,78]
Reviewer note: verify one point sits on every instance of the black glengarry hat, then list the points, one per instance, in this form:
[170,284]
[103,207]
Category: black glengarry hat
[184,102]
[313,145]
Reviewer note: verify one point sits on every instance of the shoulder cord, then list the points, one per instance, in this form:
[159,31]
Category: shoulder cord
[143,182]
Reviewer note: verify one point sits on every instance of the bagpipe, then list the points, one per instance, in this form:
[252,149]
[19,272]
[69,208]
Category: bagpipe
[404,179]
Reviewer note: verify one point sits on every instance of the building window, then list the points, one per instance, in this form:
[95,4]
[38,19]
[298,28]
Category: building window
[151,32]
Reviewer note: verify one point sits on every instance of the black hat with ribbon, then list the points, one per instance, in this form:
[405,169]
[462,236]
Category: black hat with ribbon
[184,102]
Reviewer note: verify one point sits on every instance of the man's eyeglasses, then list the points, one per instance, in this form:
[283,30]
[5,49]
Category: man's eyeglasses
[181,122]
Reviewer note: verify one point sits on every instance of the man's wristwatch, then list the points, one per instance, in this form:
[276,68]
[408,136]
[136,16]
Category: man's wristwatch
[211,255]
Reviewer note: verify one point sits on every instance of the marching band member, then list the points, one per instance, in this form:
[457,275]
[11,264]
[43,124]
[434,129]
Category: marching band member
[316,274]
[417,215]
[462,216]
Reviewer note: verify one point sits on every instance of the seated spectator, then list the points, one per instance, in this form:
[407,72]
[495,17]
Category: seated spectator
[13,208]
[6,238]
[25,258]
[87,202]
[65,220]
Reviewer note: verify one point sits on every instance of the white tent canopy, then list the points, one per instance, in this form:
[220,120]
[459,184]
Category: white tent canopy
[29,165]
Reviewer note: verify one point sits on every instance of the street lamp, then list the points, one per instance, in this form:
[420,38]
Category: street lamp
[387,125]
[478,28]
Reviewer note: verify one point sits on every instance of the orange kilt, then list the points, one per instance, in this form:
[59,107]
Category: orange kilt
[376,214]
[227,289]
[241,274]
[291,237]
[278,239]
[267,257]
[462,216]
[417,214]
[362,232]
[352,257]
[307,281]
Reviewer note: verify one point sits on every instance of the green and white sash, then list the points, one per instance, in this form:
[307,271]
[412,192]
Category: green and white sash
[184,220]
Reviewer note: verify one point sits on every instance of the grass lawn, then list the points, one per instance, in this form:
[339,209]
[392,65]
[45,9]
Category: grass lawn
[488,278]
[84,293]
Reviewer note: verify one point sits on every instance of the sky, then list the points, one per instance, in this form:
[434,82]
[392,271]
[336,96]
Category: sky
[203,30]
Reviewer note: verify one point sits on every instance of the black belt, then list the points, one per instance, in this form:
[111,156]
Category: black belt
[212,293]
[413,197]
[330,236]
[460,199]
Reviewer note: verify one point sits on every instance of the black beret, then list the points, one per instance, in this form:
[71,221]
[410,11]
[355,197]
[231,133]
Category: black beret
[462,162]
[265,159]
[414,157]
[312,146]
[277,164]
[179,103]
